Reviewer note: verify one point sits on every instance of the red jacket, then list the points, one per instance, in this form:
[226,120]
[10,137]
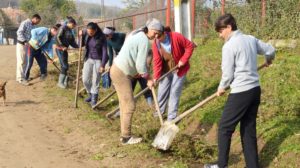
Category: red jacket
[182,50]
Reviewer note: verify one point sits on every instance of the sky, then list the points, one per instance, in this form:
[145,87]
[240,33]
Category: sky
[106,2]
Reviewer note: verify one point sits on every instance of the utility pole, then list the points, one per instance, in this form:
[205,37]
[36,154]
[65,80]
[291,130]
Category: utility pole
[102,10]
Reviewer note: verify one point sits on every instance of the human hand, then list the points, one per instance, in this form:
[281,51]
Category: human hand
[101,70]
[150,83]
[180,64]
[220,91]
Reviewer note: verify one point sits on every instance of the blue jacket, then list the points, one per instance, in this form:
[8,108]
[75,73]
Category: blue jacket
[40,40]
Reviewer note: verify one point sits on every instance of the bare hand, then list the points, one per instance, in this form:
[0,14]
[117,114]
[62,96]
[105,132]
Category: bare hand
[101,70]
[220,92]
[150,83]
[180,64]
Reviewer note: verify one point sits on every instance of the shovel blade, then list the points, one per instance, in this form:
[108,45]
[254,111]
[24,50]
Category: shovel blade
[165,136]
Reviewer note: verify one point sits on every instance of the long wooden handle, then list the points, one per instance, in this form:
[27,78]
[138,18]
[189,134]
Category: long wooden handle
[200,104]
[181,116]
[157,106]
[143,91]
[78,75]
[53,63]
[104,99]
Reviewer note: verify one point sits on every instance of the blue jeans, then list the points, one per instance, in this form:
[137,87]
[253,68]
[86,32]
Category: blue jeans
[169,91]
[91,75]
[40,59]
[63,60]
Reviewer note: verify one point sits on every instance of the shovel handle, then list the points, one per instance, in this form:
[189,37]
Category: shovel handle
[157,106]
[200,104]
[143,91]
[181,116]
[103,100]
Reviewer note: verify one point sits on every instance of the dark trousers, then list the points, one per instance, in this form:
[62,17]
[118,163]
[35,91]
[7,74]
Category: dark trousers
[240,108]
[40,59]
[63,60]
[143,84]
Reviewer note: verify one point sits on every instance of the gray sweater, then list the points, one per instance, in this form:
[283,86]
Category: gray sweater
[239,61]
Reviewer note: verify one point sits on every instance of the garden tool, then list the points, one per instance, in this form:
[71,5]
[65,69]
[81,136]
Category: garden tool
[108,115]
[157,106]
[169,129]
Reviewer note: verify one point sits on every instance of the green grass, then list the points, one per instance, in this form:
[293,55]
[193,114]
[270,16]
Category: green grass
[278,123]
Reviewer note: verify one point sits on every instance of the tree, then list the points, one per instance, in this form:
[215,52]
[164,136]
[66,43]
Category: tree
[50,10]
[134,4]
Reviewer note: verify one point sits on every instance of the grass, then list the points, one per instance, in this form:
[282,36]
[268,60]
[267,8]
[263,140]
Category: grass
[278,123]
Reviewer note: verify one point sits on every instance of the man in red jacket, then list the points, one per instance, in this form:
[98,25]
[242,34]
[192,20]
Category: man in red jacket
[171,49]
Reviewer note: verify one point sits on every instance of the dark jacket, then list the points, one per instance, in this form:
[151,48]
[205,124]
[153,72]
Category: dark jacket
[101,46]
[115,44]
[65,37]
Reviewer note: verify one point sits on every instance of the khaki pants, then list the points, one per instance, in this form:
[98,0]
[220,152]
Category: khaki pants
[123,86]
[21,62]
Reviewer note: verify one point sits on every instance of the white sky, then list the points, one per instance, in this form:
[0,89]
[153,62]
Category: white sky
[106,2]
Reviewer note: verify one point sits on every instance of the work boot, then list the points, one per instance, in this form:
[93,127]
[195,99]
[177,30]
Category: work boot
[94,99]
[61,80]
[43,77]
[66,81]
[89,98]
[149,101]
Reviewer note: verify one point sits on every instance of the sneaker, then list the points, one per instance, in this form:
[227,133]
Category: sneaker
[24,82]
[211,166]
[43,77]
[130,140]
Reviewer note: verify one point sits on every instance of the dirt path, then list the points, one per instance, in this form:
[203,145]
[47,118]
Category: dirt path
[26,138]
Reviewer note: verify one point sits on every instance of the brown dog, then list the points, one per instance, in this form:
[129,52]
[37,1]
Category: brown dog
[2,92]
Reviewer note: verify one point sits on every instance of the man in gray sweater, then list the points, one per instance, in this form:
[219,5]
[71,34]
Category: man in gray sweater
[239,72]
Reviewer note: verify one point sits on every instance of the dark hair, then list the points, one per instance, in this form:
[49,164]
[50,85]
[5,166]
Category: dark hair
[56,26]
[70,19]
[111,28]
[167,29]
[93,26]
[36,16]
[99,32]
[225,20]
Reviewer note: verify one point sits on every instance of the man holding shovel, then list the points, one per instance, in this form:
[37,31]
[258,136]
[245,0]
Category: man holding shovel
[239,72]
[132,63]
[42,40]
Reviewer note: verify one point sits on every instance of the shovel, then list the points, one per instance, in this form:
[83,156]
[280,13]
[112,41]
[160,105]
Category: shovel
[108,115]
[157,106]
[53,63]
[169,129]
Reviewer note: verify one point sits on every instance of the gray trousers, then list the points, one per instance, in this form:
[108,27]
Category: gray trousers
[169,91]
[91,75]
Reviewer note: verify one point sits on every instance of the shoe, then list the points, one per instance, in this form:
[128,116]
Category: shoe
[66,81]
[211,166]
[24,82]
[130,140]
[94,99]
[89,98]
[116,115]
[43,77]
[61,80]
[149,101]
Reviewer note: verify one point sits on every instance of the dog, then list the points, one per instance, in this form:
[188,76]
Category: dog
[2,92]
